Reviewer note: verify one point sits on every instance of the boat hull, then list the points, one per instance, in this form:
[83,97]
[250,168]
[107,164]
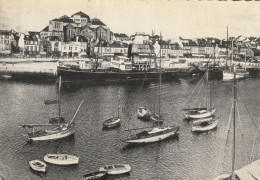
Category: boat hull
[198,121]
[96,175]
[227,76]
[152,139]
[112,124]
[199,116]
[211,126]
[126,168]
[37,168]
[54,136]
[59,161]
[67,73]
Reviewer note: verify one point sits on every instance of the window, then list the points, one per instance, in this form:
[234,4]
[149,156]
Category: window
[31,48]
[35,47]
[75,48]
[64,47]
[70,48]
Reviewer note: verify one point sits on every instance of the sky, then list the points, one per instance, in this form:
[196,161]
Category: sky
[173,18]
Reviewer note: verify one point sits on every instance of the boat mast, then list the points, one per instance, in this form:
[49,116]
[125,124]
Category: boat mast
[160,77]
[231,63]
[234,126]
[227,46]
[59,99]
[206,92]
[118,104]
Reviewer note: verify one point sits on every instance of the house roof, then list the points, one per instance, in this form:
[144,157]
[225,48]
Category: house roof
[120,35]
[96,21]
[30,38]
[64,19]
[46,28]
[81,14]
[34,33]
[5,32]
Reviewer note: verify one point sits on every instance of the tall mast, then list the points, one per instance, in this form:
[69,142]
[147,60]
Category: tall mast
[234,125]
[160,78]
[59,99]
[231,63]
[209,91]
[118,104]
[245,62]
[227,46]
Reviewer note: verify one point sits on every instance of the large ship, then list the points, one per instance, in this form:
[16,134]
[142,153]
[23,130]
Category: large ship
[121,69]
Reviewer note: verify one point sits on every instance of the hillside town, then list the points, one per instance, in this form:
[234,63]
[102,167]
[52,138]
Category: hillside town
[79,36]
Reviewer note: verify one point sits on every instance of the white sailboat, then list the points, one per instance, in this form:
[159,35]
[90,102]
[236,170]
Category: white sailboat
[154,135]
[114,121]
[201,112]
[228,75]
[56,131]
[157,133]
[157,116]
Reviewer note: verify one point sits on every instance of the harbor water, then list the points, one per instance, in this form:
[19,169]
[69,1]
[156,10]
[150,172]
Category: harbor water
[188,156]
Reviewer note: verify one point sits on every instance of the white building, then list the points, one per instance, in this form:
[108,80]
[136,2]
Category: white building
[121,62]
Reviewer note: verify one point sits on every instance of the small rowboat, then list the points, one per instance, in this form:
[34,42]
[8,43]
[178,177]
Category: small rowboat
[38,165]
[116,169]
[61,159]
[99,175]
[205,126]
[112,122]
[199,114]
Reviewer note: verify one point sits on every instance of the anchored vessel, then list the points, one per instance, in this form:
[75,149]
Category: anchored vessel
[114,121]
[201,112]
[38,165]
[99,175]
[116,169]
[61,159]
[124,70]
[55,131]
[153,135]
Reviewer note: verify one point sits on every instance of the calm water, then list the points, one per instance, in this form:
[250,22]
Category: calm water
[191,156]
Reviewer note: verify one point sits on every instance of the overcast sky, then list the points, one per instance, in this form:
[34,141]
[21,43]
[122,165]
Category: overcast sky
[189,19]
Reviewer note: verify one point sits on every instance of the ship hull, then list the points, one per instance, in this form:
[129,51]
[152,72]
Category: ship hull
[53,136]
[113,76]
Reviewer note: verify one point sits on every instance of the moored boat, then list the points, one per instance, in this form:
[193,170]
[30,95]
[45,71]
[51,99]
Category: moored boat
[61,159]
[143,113]
[205,126]
[199,114]
[154,135]
[112,122]
[199,121]
[38,165]
[99,175]
[116,169]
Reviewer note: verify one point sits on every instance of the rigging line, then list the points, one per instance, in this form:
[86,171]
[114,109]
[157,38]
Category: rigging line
[143,82]
[241,130]
[255,141]
[247,110]
[224,143]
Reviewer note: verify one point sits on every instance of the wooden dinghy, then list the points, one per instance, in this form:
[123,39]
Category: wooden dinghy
[61,159]
[99,175]
[116,169]
[38,165]
[205,126]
